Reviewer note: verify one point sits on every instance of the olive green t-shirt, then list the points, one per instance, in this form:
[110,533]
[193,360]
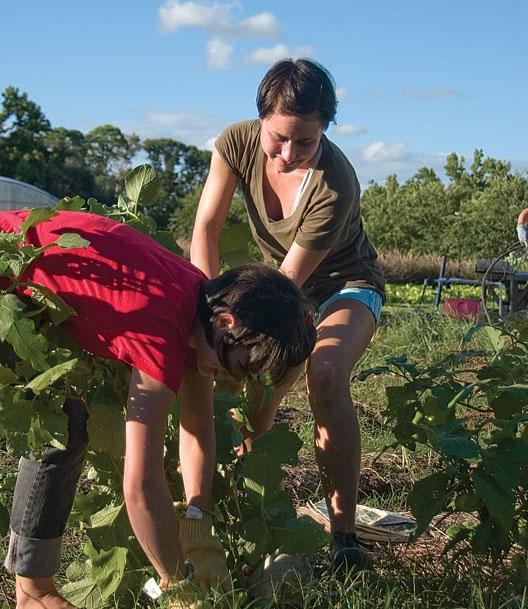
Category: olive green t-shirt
[327,217]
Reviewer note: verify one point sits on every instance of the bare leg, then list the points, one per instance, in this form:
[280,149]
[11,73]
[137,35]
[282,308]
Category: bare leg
[39,593]
[343,335]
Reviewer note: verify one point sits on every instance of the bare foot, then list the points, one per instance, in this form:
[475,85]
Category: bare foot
[39,593]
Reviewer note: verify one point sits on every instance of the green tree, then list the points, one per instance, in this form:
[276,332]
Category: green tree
[109,154]
[181,221]
[23,126]
[182,170]
[410,217]
[67,170]
[485,226]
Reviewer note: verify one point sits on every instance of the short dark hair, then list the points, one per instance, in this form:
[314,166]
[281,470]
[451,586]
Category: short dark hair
[270,318]
[297,87]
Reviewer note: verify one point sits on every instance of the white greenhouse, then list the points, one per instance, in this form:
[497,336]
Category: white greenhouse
[19,195]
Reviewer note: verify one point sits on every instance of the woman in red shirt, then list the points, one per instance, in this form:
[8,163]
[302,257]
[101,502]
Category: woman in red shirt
[138,303]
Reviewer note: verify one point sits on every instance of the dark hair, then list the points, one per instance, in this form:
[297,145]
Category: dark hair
[270,318]
[298,87]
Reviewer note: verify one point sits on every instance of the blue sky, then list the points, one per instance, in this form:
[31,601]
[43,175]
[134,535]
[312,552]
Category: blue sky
[416,80]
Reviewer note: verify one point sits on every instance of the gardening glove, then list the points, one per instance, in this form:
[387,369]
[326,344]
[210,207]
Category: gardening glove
[203,549]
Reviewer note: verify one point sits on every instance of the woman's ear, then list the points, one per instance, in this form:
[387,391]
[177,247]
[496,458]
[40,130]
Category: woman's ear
[224,321]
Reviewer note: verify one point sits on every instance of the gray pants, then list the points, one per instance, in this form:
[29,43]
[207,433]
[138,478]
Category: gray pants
[44,494]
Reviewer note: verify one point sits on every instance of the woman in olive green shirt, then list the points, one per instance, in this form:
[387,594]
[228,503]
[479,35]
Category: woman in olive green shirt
[302,198]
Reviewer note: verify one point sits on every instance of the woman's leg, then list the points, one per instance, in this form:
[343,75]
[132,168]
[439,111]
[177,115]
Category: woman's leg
[343,335]
[43,498]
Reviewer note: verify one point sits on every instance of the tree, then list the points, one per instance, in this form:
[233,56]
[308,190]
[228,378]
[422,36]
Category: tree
[182,170]
[412,217]
[67,170]
[22,130]
[109,154]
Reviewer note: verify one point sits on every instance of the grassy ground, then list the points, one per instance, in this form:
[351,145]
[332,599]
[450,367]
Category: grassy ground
[405,577]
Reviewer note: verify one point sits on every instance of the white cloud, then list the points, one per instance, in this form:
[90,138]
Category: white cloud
[379,152]
[217,18]
[431,93]
[218,54]
[341,93]
[185,126]
[349,129]
[268,55]
[378,160]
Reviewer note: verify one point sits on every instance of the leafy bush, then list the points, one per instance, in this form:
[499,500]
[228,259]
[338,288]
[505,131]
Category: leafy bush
[473,215]
[471,410]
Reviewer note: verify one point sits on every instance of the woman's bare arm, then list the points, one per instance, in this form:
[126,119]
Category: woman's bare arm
[147,496]
[211,215]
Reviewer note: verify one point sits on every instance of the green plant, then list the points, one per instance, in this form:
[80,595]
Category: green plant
[471,410]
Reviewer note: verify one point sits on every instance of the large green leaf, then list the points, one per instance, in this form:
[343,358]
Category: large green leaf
[142,185]
[16,412]
[7,376]
[108,568]
[44,380]
[254,540]
[38,436]
[428,498]
[70,203]
[495,337]
[28,344]
[86,504]
[299,536]
[482,537]
[56,308]
[11,309]
[111,528]
[261,468]
[107,516]
[460,446]
[83,593]
[72,241]
[36,216]
[234,243]
[280,444]
[499,501]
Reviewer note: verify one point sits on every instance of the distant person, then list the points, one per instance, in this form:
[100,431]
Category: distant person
[302,198]
[138,303]
[522,227]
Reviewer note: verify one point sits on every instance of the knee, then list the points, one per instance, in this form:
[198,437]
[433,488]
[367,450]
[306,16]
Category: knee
[326,385]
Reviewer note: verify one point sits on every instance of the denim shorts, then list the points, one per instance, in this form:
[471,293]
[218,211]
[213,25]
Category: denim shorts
[368,296]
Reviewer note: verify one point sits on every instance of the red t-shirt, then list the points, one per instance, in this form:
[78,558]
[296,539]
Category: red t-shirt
[135,301]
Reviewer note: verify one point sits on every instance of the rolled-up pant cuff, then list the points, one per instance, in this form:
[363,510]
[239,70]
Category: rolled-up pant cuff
[31,557]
